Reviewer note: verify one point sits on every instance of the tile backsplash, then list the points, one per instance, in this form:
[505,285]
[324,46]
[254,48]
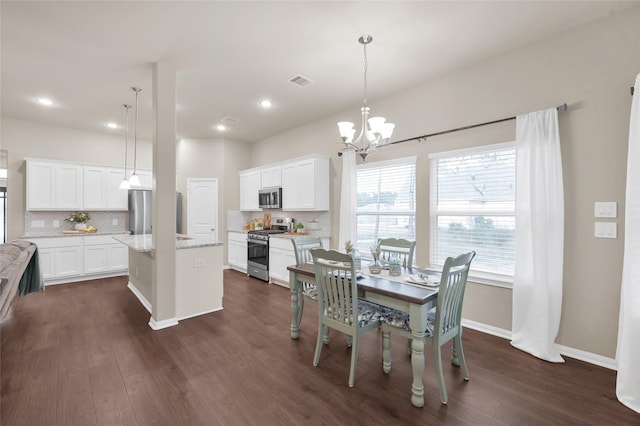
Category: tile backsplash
[44,222]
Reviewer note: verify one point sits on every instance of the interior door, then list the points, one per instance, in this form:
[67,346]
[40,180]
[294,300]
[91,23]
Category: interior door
[202,208]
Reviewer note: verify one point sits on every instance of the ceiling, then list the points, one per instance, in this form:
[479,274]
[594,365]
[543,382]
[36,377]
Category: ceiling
[229,55]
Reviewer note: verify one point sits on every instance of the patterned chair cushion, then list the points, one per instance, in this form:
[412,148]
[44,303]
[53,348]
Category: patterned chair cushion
[310,291]
[400,319]
[368,313]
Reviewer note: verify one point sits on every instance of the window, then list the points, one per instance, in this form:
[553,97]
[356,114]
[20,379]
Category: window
[386,202]
[473,208]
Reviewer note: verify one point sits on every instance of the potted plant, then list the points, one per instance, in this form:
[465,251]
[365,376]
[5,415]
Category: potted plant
[298,227]
[79,219]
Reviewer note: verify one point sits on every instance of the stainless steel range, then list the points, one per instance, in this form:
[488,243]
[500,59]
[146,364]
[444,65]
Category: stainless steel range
[258,251]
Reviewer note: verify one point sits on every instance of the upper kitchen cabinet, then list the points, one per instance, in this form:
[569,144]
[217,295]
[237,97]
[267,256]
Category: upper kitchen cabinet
[54,186]
[250,184]
[305,184]
[270,177]
[102,188]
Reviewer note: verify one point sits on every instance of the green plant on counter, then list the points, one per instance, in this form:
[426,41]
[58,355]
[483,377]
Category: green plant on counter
[78,217]
[298,226]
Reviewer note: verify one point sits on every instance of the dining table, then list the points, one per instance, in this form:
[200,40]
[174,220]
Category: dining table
[392,292]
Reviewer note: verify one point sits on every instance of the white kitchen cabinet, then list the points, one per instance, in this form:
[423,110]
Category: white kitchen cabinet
[102,188]
[237,250]
[305,184]
[116,197]
[54,186]
[60,258]
[271,177]
[281,255]
[67,259]
[104,254]
[250,182]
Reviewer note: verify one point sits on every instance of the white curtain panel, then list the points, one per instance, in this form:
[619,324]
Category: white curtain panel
[537,286]
[347,231]
[628,354]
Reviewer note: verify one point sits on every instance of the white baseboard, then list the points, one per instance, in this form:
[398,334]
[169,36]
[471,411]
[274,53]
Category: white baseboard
[87,277]
[159,325]
[140,297]
[578,354]
[200,313]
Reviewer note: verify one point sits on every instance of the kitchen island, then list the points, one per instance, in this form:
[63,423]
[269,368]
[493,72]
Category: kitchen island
[198,281]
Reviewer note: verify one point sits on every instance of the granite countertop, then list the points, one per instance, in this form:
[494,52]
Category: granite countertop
[80,234]
[143,243]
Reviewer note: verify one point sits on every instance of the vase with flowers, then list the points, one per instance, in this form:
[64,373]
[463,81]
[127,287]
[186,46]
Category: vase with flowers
[375,267]
[79,219]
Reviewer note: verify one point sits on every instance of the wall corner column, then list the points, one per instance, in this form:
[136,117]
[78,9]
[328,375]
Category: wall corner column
[164,196]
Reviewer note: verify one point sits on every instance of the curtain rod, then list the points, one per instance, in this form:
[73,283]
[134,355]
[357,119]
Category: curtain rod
[562,107]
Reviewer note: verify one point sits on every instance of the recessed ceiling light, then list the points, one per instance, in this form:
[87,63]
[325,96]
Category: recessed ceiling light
[221,127]
[266,103]
[112,125]
[45,101]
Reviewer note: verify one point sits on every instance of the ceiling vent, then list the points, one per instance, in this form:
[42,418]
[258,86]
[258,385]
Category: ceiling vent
[229,121]
[300,80]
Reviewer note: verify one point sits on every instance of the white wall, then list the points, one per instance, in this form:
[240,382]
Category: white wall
[591,68]
[213,158]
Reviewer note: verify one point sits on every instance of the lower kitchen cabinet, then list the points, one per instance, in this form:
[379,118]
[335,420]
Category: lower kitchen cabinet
[68,259]
[102,254]
[279,259]
[237,250]
[281,255]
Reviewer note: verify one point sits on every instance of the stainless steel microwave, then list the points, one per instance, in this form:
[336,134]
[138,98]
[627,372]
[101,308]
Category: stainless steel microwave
[270,198]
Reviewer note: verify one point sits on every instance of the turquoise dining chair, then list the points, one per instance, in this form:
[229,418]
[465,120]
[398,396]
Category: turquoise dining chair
[338,304]
[443,322]
[404,248]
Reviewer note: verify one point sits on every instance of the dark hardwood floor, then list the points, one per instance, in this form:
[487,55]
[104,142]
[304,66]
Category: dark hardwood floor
[83,354]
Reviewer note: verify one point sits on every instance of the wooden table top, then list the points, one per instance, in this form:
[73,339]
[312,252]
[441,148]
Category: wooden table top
[407,292]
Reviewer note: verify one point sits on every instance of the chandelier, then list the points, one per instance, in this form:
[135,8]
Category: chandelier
[375,131]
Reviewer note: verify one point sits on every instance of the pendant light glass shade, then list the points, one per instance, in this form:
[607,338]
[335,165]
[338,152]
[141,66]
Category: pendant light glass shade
[134,180]
[125,183]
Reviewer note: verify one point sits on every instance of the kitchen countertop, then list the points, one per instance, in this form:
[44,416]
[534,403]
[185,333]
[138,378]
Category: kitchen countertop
[285,235]
[143,243]
[82,234]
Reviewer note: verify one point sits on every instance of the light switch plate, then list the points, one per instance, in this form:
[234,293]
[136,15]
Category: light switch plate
[56,223]
[606,230]
[605,209]
[114,222]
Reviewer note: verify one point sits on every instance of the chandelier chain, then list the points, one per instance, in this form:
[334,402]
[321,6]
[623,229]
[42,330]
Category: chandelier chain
[366,67]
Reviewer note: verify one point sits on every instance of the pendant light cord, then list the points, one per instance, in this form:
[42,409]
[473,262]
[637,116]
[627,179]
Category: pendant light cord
[126,139]
[135,134]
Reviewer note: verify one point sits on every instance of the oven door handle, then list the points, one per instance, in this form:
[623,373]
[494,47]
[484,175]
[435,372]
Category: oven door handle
[264,243]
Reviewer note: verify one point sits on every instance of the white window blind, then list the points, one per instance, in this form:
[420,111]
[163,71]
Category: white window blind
[473,208]
[386,202]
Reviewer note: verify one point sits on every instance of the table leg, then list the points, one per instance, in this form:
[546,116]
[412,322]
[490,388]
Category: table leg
[295,306]
[417,364]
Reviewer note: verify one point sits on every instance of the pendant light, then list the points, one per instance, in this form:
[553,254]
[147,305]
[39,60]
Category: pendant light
[125,183]
[134,180]
[374,131]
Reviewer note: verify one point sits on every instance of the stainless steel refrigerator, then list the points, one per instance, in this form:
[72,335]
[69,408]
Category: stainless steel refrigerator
[140,211]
